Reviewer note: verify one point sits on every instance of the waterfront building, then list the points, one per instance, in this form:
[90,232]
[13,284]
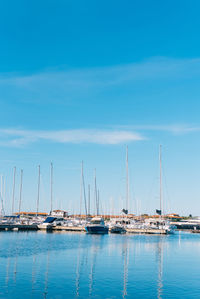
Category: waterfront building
[59,213]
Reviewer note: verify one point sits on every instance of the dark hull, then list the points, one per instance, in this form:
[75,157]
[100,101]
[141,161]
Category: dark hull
[118,230]
[187,226]
[96,229]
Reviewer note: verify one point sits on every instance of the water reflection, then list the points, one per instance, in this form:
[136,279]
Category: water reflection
[96,245]
[7,276]
[78,269]
[125,255]
[85,266]
[15,268]
[33,276]
[7,271]
[90,270]
[46,275]
[160,267]
[39,274]
[88,259]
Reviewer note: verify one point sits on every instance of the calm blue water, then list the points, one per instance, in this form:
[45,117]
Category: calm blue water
[72,265]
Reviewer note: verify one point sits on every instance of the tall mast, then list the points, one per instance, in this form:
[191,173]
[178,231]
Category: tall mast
[51,178]
[81,188]
[4,193]
[1,186]
[95,191]
[38,195]
[20,191]
[160,159]
[127,181]
[98,202]
[83,183]
[1,197]
[88,199]
[13,193]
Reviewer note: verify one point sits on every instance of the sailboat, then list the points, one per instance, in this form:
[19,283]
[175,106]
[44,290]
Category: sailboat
[160,224]
[118,226]
[96,225]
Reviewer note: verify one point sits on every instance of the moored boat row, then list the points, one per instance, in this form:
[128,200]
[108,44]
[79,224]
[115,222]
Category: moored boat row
[94,225]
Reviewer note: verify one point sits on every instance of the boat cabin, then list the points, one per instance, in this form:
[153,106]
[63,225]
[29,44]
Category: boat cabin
[155,222]
[97,220]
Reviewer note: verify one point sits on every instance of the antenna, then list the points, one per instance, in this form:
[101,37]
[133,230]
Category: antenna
[13,194]
[38,195]
[20,191]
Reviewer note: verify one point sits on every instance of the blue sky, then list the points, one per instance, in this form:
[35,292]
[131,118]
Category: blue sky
[80,80]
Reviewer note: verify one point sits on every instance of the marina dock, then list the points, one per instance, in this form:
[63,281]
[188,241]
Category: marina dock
[34,227]
[133,231]
[196,231]
[18,227]
[147,231]
[69,228]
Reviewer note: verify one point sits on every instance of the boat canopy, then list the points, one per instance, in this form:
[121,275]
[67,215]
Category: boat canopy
[50,220]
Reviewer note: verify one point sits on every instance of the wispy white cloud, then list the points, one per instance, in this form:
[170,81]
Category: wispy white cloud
[117,135]
[62,86]
[176,129]
[114,136]
[17,138]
